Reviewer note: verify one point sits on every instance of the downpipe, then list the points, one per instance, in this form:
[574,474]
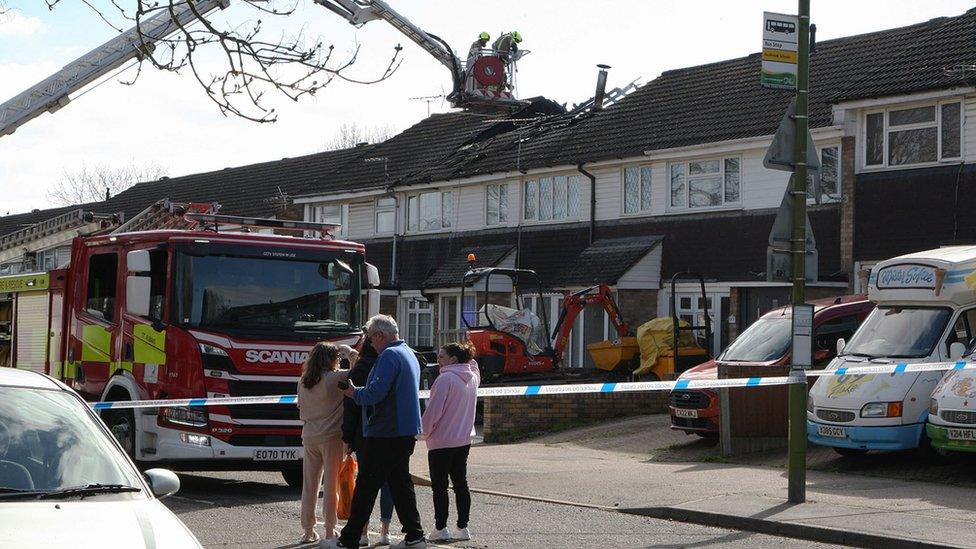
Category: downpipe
[592,178]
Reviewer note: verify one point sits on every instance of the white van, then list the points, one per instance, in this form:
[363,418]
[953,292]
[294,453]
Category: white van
[926,313]
[952,412]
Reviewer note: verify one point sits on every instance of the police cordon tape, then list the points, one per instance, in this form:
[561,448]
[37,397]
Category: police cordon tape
[578,388]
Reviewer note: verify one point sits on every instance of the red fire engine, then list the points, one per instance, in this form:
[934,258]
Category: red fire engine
[175,314]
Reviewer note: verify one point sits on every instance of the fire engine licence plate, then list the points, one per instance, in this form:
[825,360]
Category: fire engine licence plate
[831,431]
[680,412]
[961,434]
[277,454]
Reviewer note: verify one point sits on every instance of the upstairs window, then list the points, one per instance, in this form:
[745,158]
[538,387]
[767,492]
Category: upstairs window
[430,211]
[914,135]
[637,189]
[333,213]
[710,183]
[385,215]
[552,198]
[496,204]
[830,190]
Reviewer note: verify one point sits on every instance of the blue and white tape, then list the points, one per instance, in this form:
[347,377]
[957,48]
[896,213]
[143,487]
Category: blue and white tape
[579,388]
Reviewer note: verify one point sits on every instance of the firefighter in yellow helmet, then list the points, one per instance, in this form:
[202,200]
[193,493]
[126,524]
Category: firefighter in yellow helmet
[507,44]
[479,44]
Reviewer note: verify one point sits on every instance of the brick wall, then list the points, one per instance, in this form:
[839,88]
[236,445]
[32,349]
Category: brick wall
[507,418]
[637,306]
[847,210]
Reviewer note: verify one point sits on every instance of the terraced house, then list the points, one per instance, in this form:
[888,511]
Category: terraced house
[665,180]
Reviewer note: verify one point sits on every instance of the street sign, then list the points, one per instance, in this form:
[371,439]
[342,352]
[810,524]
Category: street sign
[782,152]
[779,258]
[779,52]
[802,335]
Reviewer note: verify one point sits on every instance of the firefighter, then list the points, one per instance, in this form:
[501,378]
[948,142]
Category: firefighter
[477,46]
[507,44]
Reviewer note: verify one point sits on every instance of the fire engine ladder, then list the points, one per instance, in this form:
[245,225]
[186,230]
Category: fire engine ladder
[53,92]
[166,215]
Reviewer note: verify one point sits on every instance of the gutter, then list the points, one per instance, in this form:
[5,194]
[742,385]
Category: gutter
[592,178]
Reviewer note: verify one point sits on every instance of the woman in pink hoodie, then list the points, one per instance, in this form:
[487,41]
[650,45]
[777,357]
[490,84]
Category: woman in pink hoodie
[447,424]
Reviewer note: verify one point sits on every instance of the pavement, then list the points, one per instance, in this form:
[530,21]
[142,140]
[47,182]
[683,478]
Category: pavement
[247,510]
[626,466]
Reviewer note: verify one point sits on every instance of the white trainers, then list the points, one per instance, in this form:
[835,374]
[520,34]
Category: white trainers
[440,535]
[364,540]
[384,540]
[462,534]
[415,544]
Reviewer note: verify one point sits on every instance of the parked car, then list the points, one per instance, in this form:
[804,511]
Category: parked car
[766,342]
[65,481]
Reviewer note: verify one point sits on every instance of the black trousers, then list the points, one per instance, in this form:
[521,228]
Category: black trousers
[383,460]
[453,463]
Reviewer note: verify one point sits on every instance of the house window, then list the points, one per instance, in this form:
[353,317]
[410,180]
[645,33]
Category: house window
[552,198]
[430,211]
[914,135]
[496,204]
[385,215]
[829,176]
[708,183]
[637,189]
[419,323]
[337,214]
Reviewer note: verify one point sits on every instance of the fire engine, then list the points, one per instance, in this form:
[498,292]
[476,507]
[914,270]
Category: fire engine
[175,314]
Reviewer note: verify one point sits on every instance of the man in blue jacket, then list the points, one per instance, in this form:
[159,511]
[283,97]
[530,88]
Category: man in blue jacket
[391,421]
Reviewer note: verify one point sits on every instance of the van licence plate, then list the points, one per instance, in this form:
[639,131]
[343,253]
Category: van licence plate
[961,434]
[831,431]
[680,412]
[277,454]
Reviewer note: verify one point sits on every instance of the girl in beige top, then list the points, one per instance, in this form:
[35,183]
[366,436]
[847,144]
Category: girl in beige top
[320,409]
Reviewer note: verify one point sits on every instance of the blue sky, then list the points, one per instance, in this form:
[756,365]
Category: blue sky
[166,120]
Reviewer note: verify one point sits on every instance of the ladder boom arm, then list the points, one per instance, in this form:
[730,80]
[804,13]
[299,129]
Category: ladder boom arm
[359,12]
[53,92]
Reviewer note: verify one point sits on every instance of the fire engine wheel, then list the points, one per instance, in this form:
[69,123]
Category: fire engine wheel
[292,474]
[122,424]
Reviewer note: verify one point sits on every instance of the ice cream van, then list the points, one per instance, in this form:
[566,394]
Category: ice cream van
[926,312]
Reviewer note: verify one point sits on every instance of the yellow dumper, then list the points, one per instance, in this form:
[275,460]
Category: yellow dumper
[657,353]
[618,358]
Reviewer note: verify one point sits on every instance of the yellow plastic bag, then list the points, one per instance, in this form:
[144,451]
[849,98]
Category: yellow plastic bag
[347,485]
[656,336]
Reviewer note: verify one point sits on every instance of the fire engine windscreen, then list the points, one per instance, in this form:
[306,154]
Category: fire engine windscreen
[269,294]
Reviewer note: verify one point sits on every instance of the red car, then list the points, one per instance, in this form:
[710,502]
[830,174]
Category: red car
[765,343]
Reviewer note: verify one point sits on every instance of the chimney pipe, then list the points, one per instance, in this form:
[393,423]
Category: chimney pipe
[601,88]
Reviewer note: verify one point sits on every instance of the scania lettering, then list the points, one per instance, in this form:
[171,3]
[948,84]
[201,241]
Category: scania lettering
[285,357]
[175,314]
[926,312]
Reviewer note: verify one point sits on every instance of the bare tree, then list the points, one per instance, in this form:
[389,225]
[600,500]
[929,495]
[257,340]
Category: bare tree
[252,63]
[350,135]
[96,183]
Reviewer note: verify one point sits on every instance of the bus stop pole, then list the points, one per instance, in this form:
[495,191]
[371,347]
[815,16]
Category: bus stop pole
[797,388]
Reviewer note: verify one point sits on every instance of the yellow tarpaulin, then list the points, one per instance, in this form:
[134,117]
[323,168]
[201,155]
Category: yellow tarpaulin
[656,336]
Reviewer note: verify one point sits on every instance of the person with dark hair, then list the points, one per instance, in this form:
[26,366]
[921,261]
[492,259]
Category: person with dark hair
[320,409]
[352,435]
[447,425]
